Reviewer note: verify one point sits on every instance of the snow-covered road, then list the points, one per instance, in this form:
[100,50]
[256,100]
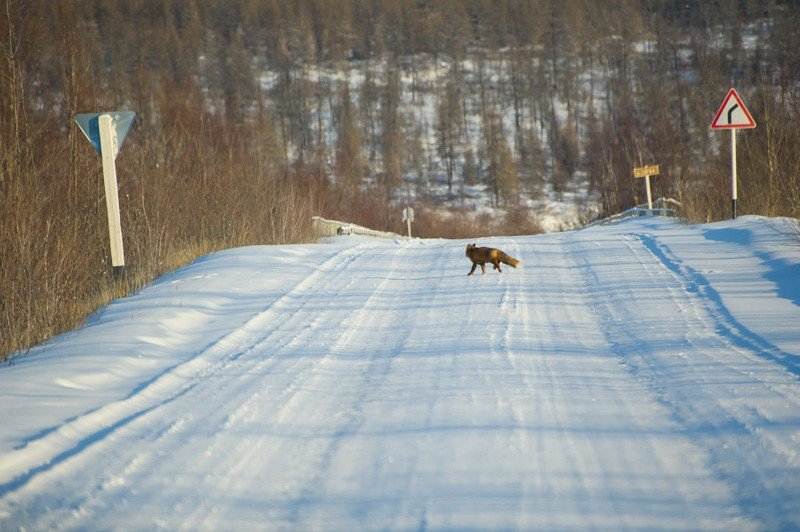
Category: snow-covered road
[644,374]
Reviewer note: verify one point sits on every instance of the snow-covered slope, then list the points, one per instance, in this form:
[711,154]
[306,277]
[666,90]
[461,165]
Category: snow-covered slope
[644,374]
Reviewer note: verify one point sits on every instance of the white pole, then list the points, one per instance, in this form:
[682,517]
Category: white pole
[108,151]
[408,221]
[733,172]
[649,195]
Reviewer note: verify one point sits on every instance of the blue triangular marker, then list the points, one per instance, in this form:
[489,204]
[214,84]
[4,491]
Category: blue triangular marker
[89,125]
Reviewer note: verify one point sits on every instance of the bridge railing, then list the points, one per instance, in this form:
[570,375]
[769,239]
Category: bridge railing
[323,227]
[661,207]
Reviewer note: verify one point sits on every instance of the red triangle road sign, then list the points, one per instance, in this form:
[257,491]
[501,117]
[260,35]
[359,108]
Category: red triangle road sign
[733,114]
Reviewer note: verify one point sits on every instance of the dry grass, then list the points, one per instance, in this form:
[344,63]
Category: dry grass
[198,196]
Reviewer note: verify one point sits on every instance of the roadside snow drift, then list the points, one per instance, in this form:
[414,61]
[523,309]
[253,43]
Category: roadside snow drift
[643,374]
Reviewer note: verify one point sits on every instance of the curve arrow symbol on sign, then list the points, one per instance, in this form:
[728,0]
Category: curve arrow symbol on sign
[733,108]
[730,113]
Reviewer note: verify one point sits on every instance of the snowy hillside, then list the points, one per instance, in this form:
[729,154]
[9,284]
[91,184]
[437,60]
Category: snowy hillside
[484,88]
[642,374]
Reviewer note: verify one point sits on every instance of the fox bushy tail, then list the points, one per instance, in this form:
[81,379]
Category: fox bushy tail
[508,259]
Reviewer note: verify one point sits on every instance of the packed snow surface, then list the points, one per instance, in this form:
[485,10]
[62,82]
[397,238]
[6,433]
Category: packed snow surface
[643,375]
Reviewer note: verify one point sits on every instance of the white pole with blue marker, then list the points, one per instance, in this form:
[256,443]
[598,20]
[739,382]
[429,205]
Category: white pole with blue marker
[108,152]
[106,132]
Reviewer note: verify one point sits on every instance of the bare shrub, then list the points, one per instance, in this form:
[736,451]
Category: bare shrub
[433,223]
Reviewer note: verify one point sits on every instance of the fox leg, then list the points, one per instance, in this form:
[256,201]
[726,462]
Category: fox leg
[497,266]
[483,268]
[474,265]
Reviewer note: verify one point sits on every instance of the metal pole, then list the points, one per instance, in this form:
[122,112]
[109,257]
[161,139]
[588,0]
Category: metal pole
[649,195]
[733,172]
[108,152]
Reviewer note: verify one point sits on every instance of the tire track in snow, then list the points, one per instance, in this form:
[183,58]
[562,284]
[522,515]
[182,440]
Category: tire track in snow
[233,396]
[726,324]
[515,346]
[619,318]
[705,403]
[407,499]
[21,465]
[751,437]
[256,403]
[573,368]
[236,465]
[378,364]
[513,310]
[413,504]
[708,304]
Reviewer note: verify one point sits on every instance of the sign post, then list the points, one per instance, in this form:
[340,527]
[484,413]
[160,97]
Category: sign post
[106,132]
[734,177]
[408,217]
[733,115]
[646,172]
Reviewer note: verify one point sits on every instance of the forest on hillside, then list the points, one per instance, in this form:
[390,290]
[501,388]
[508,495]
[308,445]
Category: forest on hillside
[254,115]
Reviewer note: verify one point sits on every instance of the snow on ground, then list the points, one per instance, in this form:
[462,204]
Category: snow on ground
[638,375]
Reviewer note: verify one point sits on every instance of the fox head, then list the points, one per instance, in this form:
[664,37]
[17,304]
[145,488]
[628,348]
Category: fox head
[469,247]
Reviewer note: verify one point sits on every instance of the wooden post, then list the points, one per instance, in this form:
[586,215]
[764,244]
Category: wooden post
[646,172]
[408,217]
[108,151]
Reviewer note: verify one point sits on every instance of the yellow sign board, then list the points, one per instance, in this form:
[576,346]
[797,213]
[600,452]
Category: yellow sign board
[644,171]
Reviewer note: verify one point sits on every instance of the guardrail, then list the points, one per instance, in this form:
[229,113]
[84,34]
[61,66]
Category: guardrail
[323,227]
[661,207]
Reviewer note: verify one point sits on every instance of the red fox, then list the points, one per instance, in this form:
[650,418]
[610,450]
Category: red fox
[480,256]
